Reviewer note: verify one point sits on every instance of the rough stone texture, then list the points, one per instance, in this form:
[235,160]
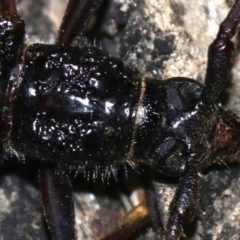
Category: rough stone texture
[163,38]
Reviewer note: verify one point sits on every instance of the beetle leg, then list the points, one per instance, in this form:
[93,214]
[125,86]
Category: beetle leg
[221,57]
[77,14]
[186,200]
[12,30]
[11,38]
[58,204]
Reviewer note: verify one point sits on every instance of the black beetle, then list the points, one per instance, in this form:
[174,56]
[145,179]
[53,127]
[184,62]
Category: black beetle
[175,127]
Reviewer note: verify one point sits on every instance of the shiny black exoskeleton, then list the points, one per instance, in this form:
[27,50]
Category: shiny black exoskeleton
[76,102]
[76,107]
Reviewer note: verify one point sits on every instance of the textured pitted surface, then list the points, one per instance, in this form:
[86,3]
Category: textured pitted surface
[77,102]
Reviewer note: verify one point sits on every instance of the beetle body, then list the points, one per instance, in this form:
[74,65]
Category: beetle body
[77,108]
[69,102]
